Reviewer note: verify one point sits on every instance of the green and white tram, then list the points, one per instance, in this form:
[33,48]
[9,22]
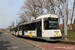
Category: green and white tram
[45,27]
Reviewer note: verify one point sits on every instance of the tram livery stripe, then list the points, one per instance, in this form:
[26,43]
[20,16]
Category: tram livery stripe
[31,34]
[57,34]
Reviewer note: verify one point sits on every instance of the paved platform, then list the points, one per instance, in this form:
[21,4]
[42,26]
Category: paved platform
[57,47]
[8,42]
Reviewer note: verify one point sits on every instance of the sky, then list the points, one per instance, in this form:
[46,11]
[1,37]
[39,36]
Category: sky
[8,11]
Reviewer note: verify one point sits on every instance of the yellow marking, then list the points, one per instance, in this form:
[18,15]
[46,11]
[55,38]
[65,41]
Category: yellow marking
[30,34]
[57,34]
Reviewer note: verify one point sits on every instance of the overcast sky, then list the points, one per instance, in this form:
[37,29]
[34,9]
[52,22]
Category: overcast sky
[8,11]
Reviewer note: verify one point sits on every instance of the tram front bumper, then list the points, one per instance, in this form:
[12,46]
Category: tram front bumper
[53,38]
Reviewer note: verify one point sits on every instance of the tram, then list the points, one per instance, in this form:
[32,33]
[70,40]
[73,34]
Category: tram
[44,27]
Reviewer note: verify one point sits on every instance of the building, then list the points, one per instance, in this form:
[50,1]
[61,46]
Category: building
[0,29]
[69,26]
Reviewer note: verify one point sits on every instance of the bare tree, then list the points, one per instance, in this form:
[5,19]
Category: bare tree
[29,7]
[72,16]
[12,24]
[52,6]
[23,17]
[49,6]
[40,5]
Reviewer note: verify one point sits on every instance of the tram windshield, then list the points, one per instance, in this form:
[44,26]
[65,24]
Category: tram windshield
[51,23]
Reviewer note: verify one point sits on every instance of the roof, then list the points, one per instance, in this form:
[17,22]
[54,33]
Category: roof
[61,24]
[47,15]
[29,22]
[1,28]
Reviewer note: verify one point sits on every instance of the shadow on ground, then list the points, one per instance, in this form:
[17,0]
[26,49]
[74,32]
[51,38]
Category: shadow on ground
[1,32]
[4,45]
[40,40]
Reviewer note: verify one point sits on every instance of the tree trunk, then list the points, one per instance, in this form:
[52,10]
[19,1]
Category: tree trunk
[72,17]
[63,27]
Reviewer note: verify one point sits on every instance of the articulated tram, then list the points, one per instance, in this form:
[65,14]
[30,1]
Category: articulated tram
[44,27]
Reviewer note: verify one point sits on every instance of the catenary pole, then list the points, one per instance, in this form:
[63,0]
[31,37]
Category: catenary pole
[65,24]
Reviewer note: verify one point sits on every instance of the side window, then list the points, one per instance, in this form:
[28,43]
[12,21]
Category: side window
[23,27]
[30,26]
[46,24]
[39,25]
[26,27]
[16,29]
[20,28]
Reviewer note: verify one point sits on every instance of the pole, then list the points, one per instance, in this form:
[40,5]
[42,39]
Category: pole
[16,21]
[18,29]
[65,24]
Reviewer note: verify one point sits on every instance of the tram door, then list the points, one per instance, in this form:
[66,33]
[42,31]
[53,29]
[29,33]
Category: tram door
[22,30]
[39,29]
[15,30]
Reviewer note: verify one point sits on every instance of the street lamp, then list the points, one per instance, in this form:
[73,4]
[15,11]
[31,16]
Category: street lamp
[16,19]
[17,24]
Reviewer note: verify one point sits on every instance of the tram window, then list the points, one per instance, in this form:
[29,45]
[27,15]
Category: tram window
[51,24]
[16,29]
[26,27]
[20,28]
[39,25]
[23,27]
[30,26]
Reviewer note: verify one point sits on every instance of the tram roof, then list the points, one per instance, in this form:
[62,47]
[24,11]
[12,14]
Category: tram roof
[46,15]
[29,22]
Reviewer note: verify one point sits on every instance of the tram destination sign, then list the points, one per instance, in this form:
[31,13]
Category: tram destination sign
[53,19]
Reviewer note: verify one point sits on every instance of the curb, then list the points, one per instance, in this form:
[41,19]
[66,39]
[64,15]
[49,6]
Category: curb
[67,41]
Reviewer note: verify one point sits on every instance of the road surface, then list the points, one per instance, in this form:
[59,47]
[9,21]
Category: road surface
[8,42]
